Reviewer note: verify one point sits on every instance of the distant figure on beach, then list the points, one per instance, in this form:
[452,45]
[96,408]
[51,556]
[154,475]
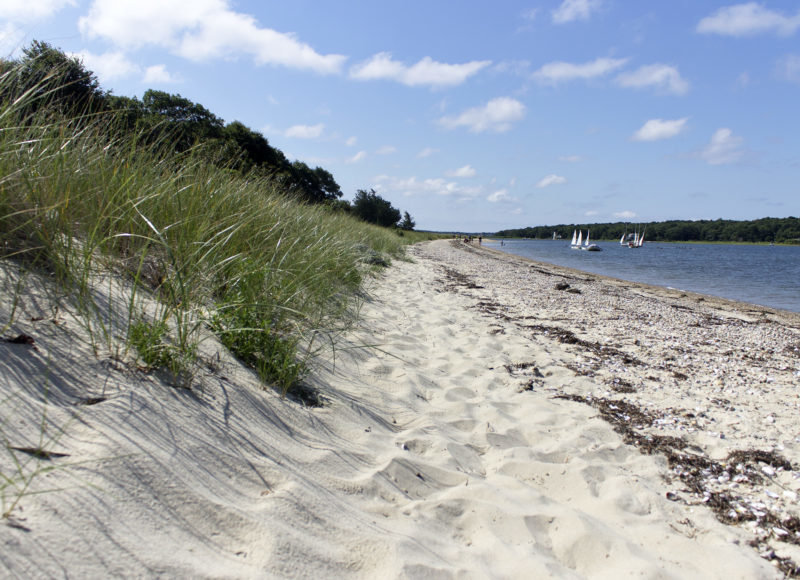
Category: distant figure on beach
[502,243]
[480,240]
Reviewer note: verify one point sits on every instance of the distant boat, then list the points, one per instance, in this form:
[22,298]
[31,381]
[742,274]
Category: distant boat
[579,244]
[637,241]
[590,247]
[577,238]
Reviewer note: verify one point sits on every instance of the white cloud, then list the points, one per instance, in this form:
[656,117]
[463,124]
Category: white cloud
[351,142]
[499,195]
[551,179]
[555,72]
[109,65]
[625,215]
[11,38]
[305,131]
[497,115]
[200,30]
[723,149]
[748,20]
[30,11]
[570,158]
[158,74]
[427,152]
[570,10]
[412,186]
[657,129]
[360,156]
[387,150]
[466,171]
[789,68]
[661,76]
[425,72]
[23,12]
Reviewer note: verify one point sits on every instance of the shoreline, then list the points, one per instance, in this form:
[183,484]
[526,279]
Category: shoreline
[734,303]
[482,420]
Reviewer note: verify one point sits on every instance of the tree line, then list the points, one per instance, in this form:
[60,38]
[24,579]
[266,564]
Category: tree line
[764,230]
[62,84]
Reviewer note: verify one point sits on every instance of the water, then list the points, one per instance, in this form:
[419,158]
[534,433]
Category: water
[765,275]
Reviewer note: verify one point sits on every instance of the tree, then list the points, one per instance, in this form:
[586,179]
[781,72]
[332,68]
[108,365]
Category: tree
[407,223]
[372,208]
[53,78]
[314,185]
[190,122]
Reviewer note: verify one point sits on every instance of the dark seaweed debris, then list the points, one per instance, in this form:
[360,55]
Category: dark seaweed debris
[568,337]
[695,471]
[455,279]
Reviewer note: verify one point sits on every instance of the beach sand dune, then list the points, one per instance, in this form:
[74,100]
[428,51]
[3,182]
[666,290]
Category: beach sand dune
[475,426]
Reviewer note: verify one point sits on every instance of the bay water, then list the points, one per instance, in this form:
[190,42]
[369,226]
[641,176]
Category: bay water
[758,274]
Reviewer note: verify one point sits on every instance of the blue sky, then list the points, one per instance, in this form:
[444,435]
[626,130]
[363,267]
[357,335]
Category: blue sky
[479,116]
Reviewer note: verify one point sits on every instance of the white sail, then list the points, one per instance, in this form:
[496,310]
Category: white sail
[580,237]
[641,241]
[587,238]
[574,237]
[622,239]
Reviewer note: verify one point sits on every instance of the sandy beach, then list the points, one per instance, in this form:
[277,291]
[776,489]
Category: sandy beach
[489,417]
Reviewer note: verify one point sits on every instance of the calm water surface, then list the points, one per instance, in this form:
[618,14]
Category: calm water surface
[765,275]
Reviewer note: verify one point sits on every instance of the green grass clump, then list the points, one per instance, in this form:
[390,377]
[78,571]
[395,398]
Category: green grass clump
[81,196]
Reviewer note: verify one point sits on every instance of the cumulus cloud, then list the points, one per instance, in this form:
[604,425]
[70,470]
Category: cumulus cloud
[18,13]
[109,65]
[427,152]
[657,129]
[570,10]
[409,186]
[551,179]
[625,215]
[158,74]
[499,195]
[660,76]
[26,11]
[351,141]
[305,131]
[387,150]
[466,171]
[556,72]
[200,30]
[724,148]
[360,156]
[497,116]
[426,72]
[748,20]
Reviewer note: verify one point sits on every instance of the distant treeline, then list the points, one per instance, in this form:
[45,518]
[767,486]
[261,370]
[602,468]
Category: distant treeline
[48,78]
[777,230]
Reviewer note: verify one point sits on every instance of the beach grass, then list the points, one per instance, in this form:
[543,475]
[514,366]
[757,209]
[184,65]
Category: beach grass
[218,250]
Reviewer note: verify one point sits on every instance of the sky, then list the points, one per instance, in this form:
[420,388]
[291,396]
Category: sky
[478,116]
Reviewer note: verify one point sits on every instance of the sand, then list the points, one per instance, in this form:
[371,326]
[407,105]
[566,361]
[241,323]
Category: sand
[480,422]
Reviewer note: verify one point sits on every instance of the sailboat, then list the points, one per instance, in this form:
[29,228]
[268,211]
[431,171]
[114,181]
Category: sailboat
[590,247]
[577,238]
[638,240]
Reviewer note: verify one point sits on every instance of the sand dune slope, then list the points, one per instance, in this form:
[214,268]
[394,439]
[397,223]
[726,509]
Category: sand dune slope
[434,457]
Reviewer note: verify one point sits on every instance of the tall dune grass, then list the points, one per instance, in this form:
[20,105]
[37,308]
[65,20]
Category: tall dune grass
[220,251]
